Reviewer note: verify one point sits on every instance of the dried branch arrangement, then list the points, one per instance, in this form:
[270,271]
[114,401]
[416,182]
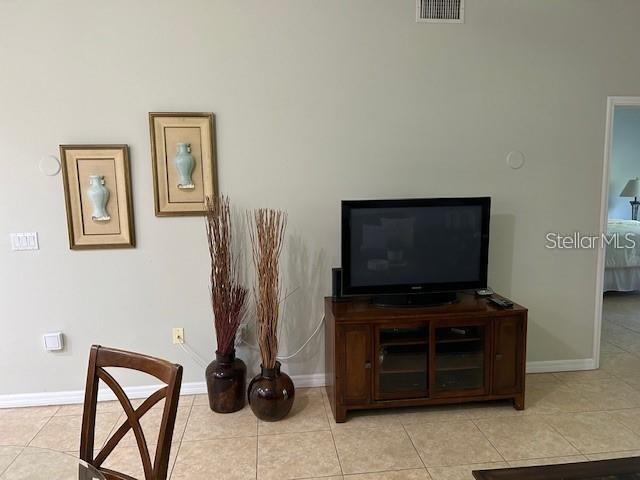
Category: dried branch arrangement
[266,230]
[228,297]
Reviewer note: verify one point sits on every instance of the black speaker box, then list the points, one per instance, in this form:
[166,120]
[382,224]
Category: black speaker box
[336,283]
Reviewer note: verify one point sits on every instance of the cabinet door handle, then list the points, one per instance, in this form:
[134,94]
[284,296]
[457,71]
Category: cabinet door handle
[367,364]
[498,356]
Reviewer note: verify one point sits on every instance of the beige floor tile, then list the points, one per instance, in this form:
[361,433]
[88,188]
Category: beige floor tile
[202,399]
[150,423]
[583,376]
[449,413]
[20,431]
[462,472]
[414,474]
[606,347]
[297,455]
[532,462]
[490,410]
[598,395]
[610,455]
[28,412]
[629,418]
[5,461]
[307,415]
[595,432]
[8,455]
[186,400]
[63,433]
[367,419]
[203,424]
[42,465]
[625,367]
[540,378]
[102,407]
[554,398]
[7,451]
[127,460]
[224,459]
[522,438]
[451,443]
[374,450]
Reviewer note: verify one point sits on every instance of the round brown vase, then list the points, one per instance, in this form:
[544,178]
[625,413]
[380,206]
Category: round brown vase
[226,383]
[271,394]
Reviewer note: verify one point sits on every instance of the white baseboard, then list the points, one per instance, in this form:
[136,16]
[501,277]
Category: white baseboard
[77,396]
[195,388]
[561,365]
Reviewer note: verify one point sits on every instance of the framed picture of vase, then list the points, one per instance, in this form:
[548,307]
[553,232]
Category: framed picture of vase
[183,154]
[97,192]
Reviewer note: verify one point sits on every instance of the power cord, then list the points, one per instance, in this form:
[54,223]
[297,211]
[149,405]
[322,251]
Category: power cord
[194,355]
[199,360]
[288,357]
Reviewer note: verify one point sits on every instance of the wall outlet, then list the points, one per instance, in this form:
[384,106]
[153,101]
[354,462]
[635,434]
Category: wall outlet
[178,335]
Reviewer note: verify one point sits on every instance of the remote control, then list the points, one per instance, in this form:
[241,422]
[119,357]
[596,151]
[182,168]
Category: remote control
[501,302]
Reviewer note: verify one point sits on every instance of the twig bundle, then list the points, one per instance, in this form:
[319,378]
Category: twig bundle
[266,229]
[228,297]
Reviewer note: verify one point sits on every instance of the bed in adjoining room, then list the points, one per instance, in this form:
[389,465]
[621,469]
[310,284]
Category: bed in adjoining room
[622,264]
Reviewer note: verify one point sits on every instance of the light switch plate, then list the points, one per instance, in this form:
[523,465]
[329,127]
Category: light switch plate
[24,241]
[53,341]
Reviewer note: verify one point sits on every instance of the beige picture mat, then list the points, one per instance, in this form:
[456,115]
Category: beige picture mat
[110,163]
[168,132]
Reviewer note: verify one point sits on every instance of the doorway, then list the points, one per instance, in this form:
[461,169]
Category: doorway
[617,319]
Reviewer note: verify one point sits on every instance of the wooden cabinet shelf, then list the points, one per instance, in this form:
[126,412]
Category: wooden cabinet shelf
[458,340]
[403,342]
[463,361]
[468,351]
[404,363]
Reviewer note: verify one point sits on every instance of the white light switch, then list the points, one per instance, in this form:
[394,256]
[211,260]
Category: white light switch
[24,241]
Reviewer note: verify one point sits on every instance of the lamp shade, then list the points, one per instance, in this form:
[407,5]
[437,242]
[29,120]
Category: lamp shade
[631,189]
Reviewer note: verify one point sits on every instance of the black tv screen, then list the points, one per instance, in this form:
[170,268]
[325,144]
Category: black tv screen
[414,246]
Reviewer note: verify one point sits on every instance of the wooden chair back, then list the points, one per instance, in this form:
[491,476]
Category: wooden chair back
[168,373]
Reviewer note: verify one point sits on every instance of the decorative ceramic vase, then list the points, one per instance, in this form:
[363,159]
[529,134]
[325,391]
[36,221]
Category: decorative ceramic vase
[271,394]
[226,383]
[184,163]
[99,196]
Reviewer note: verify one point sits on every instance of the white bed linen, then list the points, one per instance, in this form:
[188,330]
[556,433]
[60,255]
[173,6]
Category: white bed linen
[622,265]
[628,233]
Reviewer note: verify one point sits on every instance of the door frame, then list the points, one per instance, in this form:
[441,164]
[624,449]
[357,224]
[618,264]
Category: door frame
[612,103]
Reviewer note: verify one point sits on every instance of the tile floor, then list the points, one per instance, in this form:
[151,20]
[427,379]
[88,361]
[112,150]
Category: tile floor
[570,416]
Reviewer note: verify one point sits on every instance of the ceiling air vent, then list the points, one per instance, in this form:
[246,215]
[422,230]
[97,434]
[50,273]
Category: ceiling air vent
[440,11]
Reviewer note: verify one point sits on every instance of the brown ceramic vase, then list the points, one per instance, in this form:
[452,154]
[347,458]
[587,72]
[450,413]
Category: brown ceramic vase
[226,383]
[271,394]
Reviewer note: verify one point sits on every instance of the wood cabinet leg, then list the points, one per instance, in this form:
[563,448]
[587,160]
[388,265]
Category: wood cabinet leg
[341,415]
[518,402]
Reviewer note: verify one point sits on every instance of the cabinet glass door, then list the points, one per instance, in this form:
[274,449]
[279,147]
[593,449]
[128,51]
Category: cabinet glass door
[459,358]
[402,362]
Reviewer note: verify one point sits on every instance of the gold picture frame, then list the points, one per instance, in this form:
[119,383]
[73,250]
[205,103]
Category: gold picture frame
[180,188]
[97,192]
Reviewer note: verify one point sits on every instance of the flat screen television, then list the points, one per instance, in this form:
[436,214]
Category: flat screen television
[414,251]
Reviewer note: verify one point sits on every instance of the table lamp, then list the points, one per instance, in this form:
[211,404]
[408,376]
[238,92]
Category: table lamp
[632,189]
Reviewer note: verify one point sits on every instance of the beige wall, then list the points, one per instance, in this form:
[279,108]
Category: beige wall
[316,101]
